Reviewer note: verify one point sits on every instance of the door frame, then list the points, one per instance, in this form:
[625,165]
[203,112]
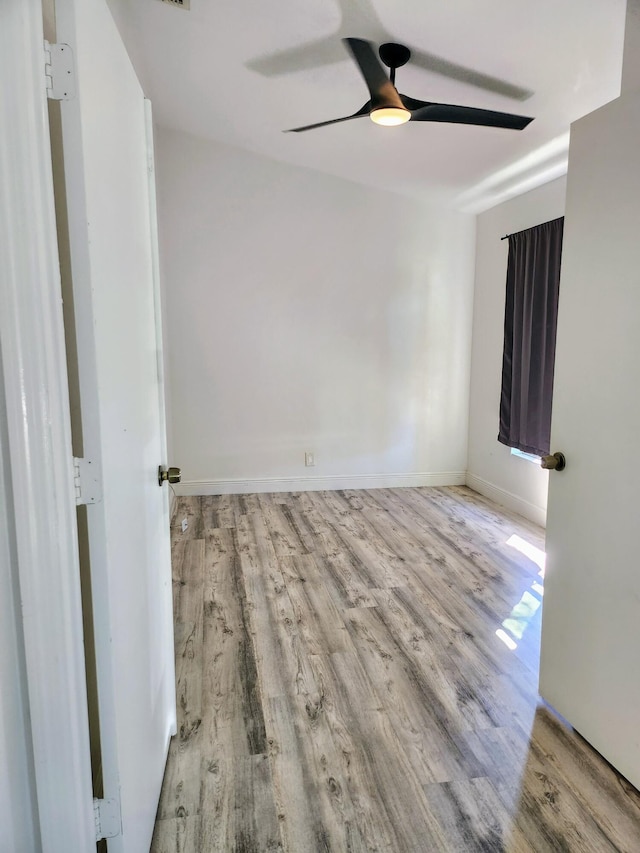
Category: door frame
[37,400]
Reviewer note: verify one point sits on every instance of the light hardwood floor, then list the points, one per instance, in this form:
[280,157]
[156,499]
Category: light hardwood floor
[341,685]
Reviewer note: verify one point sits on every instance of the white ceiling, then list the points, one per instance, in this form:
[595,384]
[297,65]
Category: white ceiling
[242,71]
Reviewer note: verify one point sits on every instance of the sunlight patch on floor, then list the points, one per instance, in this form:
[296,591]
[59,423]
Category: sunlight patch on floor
[536,555]
[506,639]
[522,613]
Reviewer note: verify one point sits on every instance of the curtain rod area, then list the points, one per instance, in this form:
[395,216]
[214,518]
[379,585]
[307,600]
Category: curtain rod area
[506,236]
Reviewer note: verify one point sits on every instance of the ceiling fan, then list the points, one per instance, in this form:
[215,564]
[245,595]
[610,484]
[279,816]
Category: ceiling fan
[388,107]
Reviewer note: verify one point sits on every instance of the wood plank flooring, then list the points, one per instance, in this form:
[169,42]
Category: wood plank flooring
[341,685]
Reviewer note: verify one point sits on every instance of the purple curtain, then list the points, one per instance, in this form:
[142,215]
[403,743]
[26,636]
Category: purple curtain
[530,319]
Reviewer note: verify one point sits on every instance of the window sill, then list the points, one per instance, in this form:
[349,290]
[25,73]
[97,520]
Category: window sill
[528,457]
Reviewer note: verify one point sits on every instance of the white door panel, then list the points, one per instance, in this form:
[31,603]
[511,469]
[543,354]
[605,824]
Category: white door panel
[591,622]
[115,300]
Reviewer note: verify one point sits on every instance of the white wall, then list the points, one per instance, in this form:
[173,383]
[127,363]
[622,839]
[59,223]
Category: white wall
[307,313]
[18,824]
[492,469]
[132,37]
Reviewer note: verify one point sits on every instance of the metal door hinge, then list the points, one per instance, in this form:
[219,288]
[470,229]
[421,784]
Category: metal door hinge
[107,817]
[85,481]
[59,72]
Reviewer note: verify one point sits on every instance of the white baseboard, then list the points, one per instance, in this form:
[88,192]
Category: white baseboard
[315,484]
[534,513]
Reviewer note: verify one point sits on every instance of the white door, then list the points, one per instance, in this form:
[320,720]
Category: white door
[591,620]
[111,227]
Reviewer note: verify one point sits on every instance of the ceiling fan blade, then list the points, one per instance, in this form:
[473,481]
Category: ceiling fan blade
[361,112]
[453,71]
[426,111]
[312,54]
[381,89]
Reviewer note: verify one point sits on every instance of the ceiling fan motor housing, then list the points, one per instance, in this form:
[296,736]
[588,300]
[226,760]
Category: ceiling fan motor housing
[394,55]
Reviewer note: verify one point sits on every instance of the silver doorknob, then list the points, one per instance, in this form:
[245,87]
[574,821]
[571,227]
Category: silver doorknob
[555,462]
[169,475]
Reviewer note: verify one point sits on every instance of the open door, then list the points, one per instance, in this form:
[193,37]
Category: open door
[108,166]
[591,617]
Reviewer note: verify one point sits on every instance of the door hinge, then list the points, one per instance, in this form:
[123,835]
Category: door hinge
[85,481]
[59,72]
[107,817]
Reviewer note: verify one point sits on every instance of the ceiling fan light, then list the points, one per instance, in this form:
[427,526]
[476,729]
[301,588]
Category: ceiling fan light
[389,116]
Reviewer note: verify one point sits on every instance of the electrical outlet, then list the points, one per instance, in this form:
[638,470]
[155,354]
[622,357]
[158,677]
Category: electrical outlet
[185,524]
[309,460]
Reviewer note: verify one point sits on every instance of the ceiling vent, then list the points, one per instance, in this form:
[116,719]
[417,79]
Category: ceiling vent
[181,4]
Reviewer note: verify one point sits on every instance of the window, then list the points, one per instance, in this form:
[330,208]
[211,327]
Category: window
[529,457]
